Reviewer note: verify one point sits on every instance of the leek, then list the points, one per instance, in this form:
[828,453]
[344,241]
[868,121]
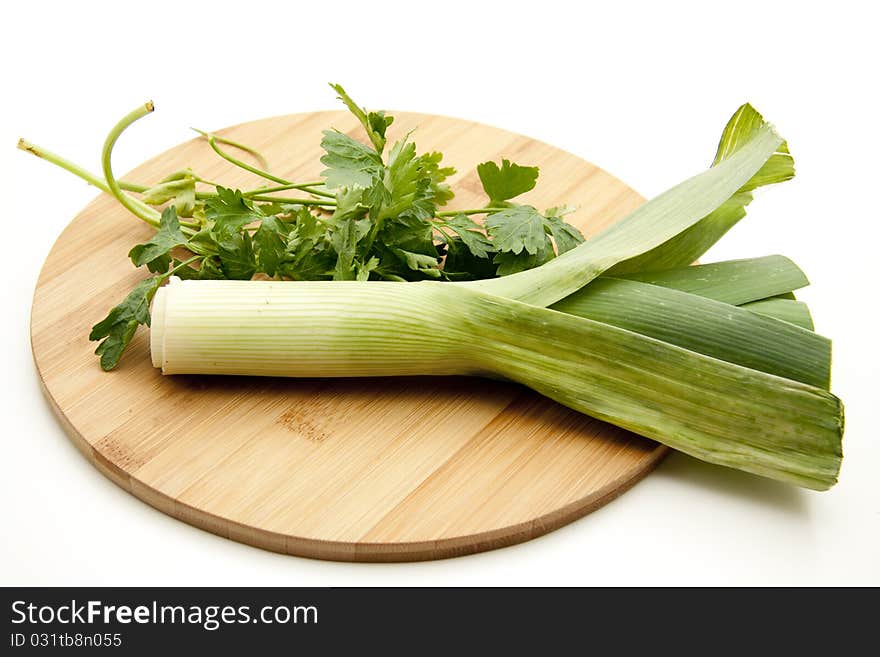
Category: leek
[717,411]
[668,354]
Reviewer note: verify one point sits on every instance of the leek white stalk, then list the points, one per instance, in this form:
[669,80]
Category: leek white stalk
[715,410]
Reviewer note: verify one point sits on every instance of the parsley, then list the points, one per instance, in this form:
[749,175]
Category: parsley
[155,253]
[373,216]
[506,182]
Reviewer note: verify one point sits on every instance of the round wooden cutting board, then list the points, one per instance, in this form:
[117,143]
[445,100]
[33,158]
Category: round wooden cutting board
[347,469]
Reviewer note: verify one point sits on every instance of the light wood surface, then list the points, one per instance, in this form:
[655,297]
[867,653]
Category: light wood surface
[350,469]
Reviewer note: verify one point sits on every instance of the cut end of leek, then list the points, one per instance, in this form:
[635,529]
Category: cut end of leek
[157,324]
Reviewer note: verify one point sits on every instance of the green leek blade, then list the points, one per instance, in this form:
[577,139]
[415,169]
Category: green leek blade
[787,310]
[709,327]
[731,281]
[749,145]
[689,245]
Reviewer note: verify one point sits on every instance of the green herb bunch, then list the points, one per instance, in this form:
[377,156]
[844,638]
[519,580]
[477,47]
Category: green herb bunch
[375,215]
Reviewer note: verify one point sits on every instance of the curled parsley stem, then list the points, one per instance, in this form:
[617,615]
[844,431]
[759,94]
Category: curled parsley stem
[257,155]
[131,204]
[213,139]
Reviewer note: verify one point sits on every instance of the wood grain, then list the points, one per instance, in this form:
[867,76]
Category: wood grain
[350,469]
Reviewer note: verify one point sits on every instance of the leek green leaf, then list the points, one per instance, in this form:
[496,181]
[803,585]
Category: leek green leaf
[653,224]
[731,281]
[717,329]
[787,310]
[686,247]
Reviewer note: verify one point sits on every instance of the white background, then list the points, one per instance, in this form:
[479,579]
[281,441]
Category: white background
[642,90]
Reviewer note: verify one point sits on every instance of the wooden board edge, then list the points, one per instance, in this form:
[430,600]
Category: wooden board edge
[349,551]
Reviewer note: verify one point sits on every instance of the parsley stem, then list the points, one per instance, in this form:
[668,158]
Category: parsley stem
[285,184]
[183,264]
[134,206]
[80,172]
[133,187]
[257,155]
[205,182]
[212,140]
[305,187]
[256,195]
[299,201]
[453,213]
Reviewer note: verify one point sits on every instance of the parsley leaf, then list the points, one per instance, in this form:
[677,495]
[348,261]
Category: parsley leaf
[516,229]
[119,326]
[211,269]
[345,242]
[238,259]
[378,122]
[179,186]
[348,162]
[187,273]
[564,234]
[155,253]
[507,182]
[203,242]
[420,262]
[229,210]
[409,190]
[462,265]
[407,249]
[270,241]
[511,263]
[351,203]
[431,169]
[470,234]
[309,255]
[364,270]
[375,123]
